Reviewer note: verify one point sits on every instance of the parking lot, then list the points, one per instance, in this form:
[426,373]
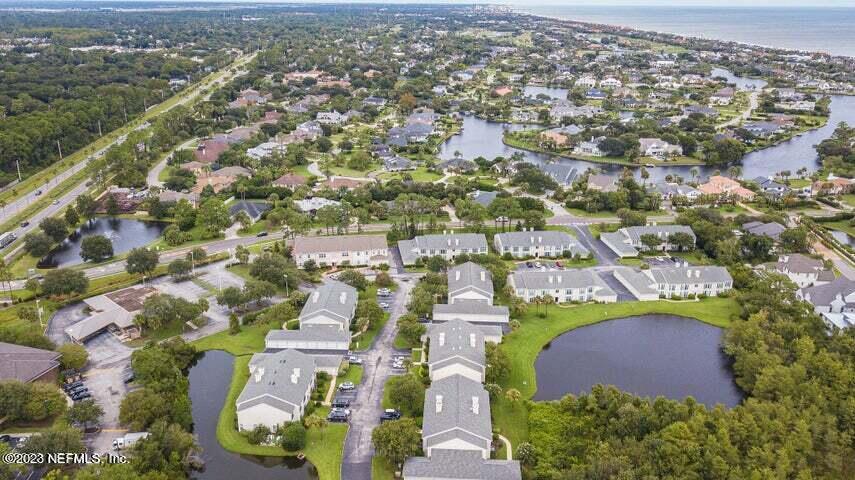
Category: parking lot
[540,264]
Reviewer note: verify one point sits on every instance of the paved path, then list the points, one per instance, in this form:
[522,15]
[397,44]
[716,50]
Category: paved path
[358,449]
[315,170]
[153,174]
[508,450]
[752,105]
[601,252]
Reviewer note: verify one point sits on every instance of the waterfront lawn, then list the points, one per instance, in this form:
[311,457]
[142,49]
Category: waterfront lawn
[324,447]
[420,174]
[523,345]
[250,340]
[841,225]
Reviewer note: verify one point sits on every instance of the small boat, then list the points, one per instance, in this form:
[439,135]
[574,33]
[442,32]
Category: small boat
[649,165]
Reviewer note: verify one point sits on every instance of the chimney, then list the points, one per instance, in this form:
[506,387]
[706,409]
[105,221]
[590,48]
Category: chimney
[475,405]
[342,297]
[697,274]
[472,340]
[441,338]
[456,241]
[483,276]
[688,274]
[457,275]
[439,404]
[550,279]
[558,278]
[449,242]
[295,376]
[531,239]
[316,296]
[259,373]
[539,239]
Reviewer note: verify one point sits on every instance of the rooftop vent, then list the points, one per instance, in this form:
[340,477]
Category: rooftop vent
[342,297]
[475,405]
[472,340]
[439,404]
[441,338]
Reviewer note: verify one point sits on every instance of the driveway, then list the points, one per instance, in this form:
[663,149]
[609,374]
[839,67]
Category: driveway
[367,407]
[623,295]
[601,252]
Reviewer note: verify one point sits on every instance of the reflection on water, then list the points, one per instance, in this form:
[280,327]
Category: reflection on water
[210,379]
[125,233]
[649,355]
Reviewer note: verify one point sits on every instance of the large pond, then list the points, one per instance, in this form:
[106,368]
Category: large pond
[483,138]
[125,233]
[742,83]
[649,356]
[210,378]
[551,92]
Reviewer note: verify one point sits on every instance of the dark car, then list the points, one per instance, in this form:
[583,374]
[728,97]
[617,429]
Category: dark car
[128,377]
[77,390]
[25,224]
[81,396]
[390,414]
[337,416]
[261,234]
[529,264]
[38,192]
[71,386]
[341,403]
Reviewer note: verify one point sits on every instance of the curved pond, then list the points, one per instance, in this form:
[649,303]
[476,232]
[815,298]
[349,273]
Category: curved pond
[648,355]
[210,379]
[125,233]
[742,83]
[552,92]
[484,138]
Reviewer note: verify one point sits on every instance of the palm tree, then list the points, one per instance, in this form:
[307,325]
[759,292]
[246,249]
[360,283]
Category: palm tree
[6,277]
[644,176]
[314,421]
[547,300]
[694,171]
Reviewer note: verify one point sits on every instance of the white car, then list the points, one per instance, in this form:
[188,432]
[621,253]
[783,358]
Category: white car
[347,386]
[384,305]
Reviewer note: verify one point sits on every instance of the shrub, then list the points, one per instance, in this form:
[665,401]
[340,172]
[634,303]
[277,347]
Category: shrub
[293,436]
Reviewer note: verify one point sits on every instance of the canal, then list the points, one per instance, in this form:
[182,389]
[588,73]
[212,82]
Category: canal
[649,356]
[483,138]
[210,379]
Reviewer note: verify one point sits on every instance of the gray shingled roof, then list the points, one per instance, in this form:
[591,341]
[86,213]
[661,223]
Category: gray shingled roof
[772,230]
[310,334]
[468,275]
[618,243]
[280,379]
[572,278]
[336,298]
[541,238]
[796,263]
[690,275]
[25,364]
[410,249]
[662,231]
[824,294]
[642,283]
[460,465]
[457,339]
[465,307]
[455,394]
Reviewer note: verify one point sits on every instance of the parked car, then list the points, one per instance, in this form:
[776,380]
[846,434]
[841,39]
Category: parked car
[559,264]
[71,386]
[538,264]
[81,396]
[337,416]
[78,390]
[261,234]
[529,264]
[384,292]
[353,359]
[56,202]
[390,414]
[25,224]
[384,305]
[341,403]
[128,377]
[347,386]
[38,192]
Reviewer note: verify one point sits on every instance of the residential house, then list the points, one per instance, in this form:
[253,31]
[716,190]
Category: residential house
[562,173]
[762,129]
[586,82]
[457,416]
[458,164]
[771,187]
[209,150]
[331,305]
[723,96]
[331,118]
[483,198]
[545,243]
[602,183]
[376,102]
[345,183]
[669,191]
[456,348]
[278,390]
[658,148]
[726,187]
[446,245]
[352,250]
[171,196]
[27,364]
[611,82]
[627,241]
[265,150]
[290,180]
[832,186]
[681,281]
[470,282]
[596,94]
[772,230]
[804,271]
[491,319]
[834,302]
[398,164]
[459,465]
[561,285]
[313,204]
[590,148]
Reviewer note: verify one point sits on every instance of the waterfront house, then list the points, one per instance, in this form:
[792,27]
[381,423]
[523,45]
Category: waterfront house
[563,286]
[456,348]
[804,271]
[680,281]
[834,302]
[446,464]
[457,416]
[726,187]
[277,391]
[602,183]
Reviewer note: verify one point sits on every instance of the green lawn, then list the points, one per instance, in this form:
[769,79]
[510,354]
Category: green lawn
[523,345]
[353,374]
[250,340]
[420,174]
[841,225]
[381,469]
[324,447]
[578,212]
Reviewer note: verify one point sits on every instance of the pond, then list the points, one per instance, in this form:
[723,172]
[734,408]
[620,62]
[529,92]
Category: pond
[125,233]
[648,355]
[210,379]
[552,92]
[742,83]
[843,237]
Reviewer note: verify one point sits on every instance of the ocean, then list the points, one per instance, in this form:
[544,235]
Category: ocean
[830,30]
